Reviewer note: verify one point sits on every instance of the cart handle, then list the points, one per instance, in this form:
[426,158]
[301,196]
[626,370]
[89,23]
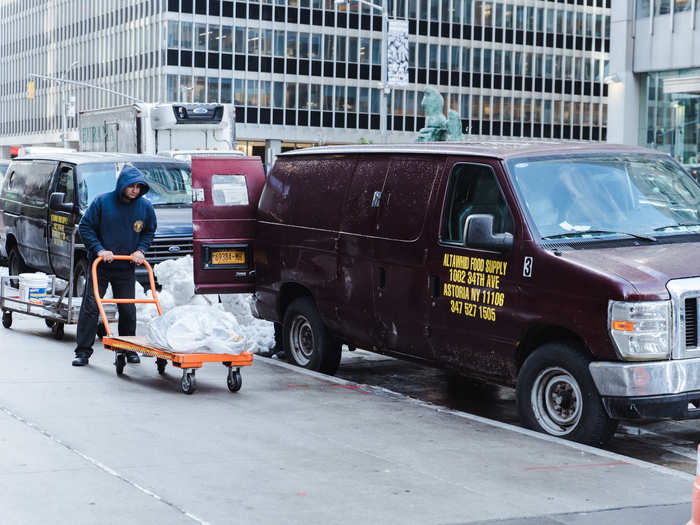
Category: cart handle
[99,299]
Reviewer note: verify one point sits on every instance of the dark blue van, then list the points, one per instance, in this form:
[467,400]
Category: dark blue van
[43,198]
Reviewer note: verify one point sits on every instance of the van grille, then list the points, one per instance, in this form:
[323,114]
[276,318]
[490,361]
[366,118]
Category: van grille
[691,322]
[163,248]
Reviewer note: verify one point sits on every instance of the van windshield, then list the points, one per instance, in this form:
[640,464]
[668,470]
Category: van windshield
[171,183]
[607,196]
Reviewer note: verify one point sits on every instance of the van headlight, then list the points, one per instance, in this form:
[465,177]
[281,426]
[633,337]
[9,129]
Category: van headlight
[641,330]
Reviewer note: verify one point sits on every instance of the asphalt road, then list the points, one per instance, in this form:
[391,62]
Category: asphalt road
[669,443]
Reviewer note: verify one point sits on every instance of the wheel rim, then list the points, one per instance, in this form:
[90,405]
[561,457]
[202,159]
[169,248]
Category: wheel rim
[301,340]
[556,401]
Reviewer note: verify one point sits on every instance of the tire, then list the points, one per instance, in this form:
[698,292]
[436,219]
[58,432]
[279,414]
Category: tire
[81,276]
[57,330]
[7,319]
[307,341]
[556,395]
[188,383]
[119,363]
[234,381]
[15,264]
[160,364]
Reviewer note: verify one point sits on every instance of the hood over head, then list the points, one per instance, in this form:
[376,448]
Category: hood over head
[130,175]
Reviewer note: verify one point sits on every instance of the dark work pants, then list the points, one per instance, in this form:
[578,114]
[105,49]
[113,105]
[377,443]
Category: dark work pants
[123,284]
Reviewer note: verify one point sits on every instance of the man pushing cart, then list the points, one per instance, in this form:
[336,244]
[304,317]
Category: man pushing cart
[120,222]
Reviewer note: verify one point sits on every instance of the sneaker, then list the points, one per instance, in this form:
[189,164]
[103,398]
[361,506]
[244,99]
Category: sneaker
[133,358]
[80,361]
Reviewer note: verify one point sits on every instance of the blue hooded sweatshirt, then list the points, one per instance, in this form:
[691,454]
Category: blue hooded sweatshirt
[117,226]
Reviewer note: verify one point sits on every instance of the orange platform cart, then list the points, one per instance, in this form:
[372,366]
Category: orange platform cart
[187,362]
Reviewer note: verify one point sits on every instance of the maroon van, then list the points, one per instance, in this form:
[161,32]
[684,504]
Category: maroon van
[569,271]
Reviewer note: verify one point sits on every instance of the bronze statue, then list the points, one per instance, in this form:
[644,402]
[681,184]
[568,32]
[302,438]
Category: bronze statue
[438,128]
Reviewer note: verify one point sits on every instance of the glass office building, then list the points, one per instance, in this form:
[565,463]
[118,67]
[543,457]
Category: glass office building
[309,71]
[655,76]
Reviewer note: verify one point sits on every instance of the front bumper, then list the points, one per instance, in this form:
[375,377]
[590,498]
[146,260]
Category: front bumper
[653,389]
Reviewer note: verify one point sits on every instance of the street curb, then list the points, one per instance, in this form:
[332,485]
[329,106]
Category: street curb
[479,419]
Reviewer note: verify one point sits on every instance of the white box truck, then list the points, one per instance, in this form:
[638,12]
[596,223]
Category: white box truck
[156,128]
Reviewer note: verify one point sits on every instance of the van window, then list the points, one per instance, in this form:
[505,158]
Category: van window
[579,197]
[405,197]
[171,183]
[37,178]
[229,190]
[473,189]
[66,185]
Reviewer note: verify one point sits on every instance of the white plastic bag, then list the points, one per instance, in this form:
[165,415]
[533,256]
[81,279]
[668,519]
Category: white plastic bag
[197,328]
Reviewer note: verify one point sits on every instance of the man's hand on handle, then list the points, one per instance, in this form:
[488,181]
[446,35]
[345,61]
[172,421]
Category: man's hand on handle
[106,255]
[138,257]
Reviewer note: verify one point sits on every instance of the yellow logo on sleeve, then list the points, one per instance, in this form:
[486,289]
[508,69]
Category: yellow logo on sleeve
[138,226]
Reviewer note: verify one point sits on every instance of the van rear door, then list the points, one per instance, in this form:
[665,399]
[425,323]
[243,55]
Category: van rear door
[225,195]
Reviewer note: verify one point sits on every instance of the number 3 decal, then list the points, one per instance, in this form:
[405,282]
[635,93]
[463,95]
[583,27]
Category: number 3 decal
[527,267]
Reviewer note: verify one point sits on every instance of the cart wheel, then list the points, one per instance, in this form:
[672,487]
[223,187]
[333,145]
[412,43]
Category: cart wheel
[234,380]
[188,383]
[57,331]
[7,319]
[120,363]
[49,323]
[101,331]
[160,363]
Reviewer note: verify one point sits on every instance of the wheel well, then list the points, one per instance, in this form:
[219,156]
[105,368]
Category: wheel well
[288,293]
[538,335]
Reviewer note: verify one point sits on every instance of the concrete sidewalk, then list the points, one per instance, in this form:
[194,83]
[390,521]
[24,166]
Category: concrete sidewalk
[82,445]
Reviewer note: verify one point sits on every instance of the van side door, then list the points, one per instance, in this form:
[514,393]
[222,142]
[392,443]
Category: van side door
[33,225]
[473,309]
[225,194]
[62,220]
[400,278]
[356,246]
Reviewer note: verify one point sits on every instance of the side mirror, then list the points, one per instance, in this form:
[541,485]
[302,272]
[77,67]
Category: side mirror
[478,233]
[56,203]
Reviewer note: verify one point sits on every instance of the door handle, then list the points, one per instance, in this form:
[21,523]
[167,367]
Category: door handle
[435,286]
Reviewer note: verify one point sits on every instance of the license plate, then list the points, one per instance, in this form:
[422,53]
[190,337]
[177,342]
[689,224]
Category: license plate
[228,257]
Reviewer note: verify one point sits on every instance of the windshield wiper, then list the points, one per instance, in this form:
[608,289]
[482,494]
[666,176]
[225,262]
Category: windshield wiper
[582,233]
[681,225]
[162,204]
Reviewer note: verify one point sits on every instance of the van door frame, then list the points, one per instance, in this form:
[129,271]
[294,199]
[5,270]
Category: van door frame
[469,343]
[60,227]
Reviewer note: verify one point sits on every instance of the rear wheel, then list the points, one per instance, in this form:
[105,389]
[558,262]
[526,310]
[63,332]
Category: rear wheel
[81,271]
[7,319]
[556,395]
[307,341]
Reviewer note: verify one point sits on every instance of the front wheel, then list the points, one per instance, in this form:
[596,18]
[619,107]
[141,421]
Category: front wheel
[307,341]
[234,381]
[15,265]
[57,330]
[556,395]
[7,319]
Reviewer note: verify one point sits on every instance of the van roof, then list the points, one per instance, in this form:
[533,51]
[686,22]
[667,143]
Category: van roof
[86,157]
[495,149]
